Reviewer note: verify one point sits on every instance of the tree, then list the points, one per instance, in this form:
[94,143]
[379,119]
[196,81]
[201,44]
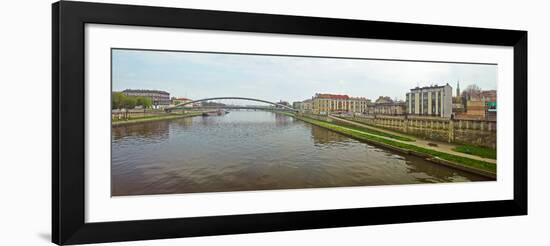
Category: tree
[472,91]
[129,102]
[145,102]
[117,100]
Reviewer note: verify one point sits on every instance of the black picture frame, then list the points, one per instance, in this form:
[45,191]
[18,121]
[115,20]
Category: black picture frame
[68,154]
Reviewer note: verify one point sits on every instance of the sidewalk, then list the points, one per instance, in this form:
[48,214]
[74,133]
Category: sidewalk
[441,146]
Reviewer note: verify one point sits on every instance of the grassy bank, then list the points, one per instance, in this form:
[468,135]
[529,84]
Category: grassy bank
[375,132]
[477,150]
[167,116]
[361,135]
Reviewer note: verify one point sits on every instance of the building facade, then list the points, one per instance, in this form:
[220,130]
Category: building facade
[180,100]
[488,96]
[481,106]
[434,101]
[303,106]
[387,106]
[332,103]
[475,107]
[297,105]
[159,99]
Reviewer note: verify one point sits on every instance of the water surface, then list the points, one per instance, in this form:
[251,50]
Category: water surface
[255,150]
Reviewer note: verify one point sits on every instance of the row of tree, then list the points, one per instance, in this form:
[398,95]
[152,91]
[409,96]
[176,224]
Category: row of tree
[122,101]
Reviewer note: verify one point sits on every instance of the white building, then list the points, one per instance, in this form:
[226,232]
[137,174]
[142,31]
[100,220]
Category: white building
[430,101]
[180,100]
[159,99]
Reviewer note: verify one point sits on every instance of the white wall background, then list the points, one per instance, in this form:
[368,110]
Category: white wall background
[25,55]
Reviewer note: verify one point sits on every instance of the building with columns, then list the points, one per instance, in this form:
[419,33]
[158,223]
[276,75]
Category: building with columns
[332,103]
[434,101]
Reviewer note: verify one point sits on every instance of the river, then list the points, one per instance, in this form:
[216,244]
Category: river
[255,150]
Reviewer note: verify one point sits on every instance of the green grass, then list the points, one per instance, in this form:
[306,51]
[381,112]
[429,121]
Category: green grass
[368,130]
[140,117]
[477,150]
[167,116]
[376,132]
[368,137]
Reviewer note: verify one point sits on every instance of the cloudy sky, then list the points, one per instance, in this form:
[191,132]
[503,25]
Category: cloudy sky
[274,78]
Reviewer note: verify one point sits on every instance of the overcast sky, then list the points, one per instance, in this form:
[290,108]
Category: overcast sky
[274,78]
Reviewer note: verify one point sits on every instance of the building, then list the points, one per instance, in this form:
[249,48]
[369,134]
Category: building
[387,106]
[159,99]
[303,106]
[481,106]
[458,106]
[490,99]
[430,101]
[475,108]
[332,103]
[488,96]
[307,105]
[180,100]
[297,105]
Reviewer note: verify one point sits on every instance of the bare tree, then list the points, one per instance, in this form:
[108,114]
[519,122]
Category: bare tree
[472,91]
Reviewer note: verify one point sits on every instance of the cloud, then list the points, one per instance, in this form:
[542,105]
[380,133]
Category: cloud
[200,75]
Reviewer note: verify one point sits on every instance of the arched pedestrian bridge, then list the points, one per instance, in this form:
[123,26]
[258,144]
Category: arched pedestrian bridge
[278,106]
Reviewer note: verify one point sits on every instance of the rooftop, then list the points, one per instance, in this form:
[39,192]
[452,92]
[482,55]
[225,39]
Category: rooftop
[383,99]
[182,99]
[331,96]
[430,87]
[146,91]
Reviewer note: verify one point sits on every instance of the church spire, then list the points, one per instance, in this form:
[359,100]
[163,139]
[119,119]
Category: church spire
[458,88]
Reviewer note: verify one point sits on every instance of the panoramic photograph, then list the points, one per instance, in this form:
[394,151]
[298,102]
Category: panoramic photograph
[191,122]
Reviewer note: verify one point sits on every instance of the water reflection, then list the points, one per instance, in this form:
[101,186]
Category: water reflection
[255,150]
[157,130]
[321,136]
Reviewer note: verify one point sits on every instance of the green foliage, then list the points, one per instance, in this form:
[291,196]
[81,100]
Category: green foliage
[477,150]
[368,137]
[168,116]
[117,99]
[129,102]
[145,102]
[121,101]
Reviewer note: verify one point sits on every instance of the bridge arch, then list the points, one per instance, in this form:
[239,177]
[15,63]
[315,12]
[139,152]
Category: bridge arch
[230,98]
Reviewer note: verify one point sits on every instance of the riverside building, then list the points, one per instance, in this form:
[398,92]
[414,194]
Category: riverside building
[180,100]
[159,99]
[332,103]
[434,101]
[303,106]
[386,106]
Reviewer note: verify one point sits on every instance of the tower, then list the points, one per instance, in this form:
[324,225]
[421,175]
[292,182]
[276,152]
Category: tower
[457,89]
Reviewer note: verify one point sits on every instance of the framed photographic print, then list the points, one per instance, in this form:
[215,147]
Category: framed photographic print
[175,122]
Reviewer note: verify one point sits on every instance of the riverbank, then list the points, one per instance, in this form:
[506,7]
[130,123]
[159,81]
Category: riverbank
[489,154]
[167,116]
[479,167]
